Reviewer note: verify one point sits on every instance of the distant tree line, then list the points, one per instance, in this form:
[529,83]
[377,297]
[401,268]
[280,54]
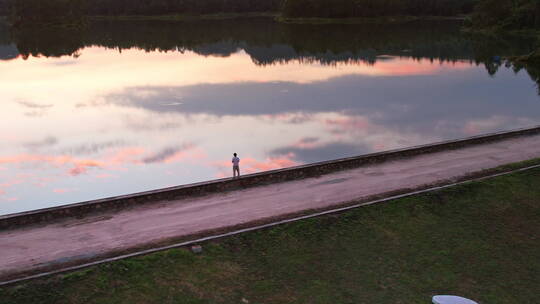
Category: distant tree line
[33,11]
[45,11]
[37,10]
[270,42]
[504,14]
[507,14]
[161,7]
[375,8]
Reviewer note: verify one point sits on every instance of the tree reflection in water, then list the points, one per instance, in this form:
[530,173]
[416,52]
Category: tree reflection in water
[268,42]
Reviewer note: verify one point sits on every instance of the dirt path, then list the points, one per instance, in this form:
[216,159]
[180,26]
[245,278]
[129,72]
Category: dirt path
[72,240]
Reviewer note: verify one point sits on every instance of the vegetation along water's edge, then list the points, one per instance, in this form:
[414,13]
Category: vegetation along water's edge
[484,14]
[370,9]
[27,12]
[478,240]
[518,17]
[32,12]
[481,15]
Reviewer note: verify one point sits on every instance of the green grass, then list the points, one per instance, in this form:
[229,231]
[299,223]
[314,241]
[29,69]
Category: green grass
[478,240]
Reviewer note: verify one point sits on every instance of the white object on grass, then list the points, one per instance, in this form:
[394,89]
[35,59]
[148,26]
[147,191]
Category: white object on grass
[451,300]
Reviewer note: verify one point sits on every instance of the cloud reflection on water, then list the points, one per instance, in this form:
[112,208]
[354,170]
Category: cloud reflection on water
[120,123]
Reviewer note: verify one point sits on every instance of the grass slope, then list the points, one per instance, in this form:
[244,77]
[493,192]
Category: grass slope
[477,240]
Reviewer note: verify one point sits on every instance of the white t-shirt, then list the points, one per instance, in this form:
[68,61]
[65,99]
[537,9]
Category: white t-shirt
[236,161]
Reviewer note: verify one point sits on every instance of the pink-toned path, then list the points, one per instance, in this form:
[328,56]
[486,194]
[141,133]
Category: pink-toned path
[72,240]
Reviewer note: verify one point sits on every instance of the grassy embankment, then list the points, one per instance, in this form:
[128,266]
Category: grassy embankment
[479,240]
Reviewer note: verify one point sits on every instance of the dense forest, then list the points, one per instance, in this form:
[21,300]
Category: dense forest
[511,15]
[290,8]
[39,10]
[45,11]
[507,14]
[270,42]
[265,41]
[375,8]
[501,14]
[485,14]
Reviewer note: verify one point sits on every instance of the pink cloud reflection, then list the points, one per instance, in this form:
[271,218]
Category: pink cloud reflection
[339,125]
[194,154]
[306,143]
[73,166]
[251,165]
[104,176]
[78,166]
[125,155]
[83,166]
[484,125]
[12,182]
[62,190]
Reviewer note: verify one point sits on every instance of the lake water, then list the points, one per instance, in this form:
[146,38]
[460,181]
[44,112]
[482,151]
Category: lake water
[127,106]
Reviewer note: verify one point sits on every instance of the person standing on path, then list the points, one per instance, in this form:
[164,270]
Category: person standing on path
[236,165]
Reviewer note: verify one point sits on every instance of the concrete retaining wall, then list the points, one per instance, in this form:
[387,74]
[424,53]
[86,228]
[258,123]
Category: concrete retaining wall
[84,208]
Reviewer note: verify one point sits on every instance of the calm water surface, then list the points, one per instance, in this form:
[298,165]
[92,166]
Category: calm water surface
[128,106]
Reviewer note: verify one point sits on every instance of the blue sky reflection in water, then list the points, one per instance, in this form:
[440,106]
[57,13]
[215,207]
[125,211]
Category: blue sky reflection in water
[104,122]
